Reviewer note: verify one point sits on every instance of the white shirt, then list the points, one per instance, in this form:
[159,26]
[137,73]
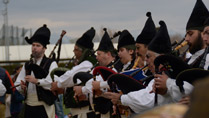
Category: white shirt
[88,86]
[44,82]
[142,100]
[66,80]
[2,88]
[126,65]
[206,62]
[195,56]
[174,91]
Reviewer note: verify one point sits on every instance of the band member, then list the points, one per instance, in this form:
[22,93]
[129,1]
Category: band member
[142,100]
[126,50]
[206,31]
[85,57]
[196,48]
[106,55]
[35,79]
[144,38]
[194,28]
[205,36]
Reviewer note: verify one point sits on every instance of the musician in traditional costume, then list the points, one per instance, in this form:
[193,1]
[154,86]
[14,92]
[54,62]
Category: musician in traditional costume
[142,100]
[35,79]
[194,28]
[85,57]
[106,56]
[206,39]
[126,49]
[196,48]
[144,38]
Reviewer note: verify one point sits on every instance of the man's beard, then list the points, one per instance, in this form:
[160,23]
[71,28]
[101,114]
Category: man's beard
[36,55]
[197,45]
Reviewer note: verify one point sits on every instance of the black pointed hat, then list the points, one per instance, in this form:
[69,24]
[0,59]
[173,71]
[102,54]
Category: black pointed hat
[206,23]
[198,16]
[106,43]
[85,41]
[161,42]
[125,39]
[148,31]
[42,35]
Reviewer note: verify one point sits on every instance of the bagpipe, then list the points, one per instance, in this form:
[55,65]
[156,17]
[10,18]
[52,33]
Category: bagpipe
[118,83]
[59,42]
[41,72]
[191,76]
[171,66]
[176,46]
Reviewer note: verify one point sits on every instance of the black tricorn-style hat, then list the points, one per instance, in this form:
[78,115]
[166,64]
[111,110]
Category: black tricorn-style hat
[174,64]
[161,42]
[85,41]
[106,43]
[125,83]
[105,72]
[125,39]
[42,35]
[148,31]
[198,16]
[190,76]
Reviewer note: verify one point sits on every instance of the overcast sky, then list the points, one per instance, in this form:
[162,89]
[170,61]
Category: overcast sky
[76,16]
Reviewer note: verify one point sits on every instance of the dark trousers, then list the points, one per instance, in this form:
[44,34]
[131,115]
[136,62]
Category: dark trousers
[35,112]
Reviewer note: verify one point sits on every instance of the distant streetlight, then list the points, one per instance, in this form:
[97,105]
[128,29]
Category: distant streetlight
[6,30]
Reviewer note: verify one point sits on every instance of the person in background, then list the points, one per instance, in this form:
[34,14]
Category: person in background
[16,98]
[3,89]
[7,83]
